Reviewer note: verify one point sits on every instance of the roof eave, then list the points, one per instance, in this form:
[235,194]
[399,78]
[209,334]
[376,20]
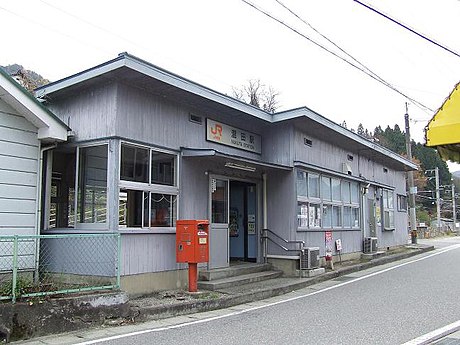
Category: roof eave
[306,112]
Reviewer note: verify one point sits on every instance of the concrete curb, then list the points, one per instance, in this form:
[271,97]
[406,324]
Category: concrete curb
[164,311]
[35,318]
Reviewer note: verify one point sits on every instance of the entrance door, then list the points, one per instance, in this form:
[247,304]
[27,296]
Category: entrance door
[218,236]
[242,222]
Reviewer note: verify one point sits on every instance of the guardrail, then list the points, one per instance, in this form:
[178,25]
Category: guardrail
[41,265]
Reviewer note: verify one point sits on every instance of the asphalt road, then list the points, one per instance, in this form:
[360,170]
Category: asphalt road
[389,304]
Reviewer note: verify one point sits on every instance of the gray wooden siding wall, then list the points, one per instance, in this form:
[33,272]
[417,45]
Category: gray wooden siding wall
[282,204]
[150,118]
[90,113]
[19,151]
[330,156]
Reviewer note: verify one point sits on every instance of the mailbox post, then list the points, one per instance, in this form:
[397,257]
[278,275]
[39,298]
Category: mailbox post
[192,247]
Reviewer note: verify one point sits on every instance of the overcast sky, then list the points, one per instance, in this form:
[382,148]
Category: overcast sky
[224,43]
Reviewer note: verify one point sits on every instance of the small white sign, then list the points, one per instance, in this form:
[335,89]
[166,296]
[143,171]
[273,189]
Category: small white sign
[338,244]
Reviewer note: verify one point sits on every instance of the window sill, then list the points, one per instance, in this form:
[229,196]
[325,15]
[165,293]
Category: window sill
[74,231]
[149,231]
[389,229]
[328,229]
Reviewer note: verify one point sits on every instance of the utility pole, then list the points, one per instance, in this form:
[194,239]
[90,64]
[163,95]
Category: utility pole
[410,179]
[454,214]
[438,200]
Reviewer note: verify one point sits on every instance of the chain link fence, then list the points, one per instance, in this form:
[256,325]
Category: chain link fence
[43,265]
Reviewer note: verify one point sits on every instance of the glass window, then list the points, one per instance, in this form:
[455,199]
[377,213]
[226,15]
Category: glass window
[355,217]
[301,183]
[134,163]
[92,184]
[389,219]
[162,169]
[347,217]
[326,188]
[326,202]
[336,216]
[219,201]
[313,185]
[388,209]
[402,202]
[163,210]
[130,208]
[327,216]
[390,199]
[302,214]
[346,197]
[354,192]
[336,193]
[314,215]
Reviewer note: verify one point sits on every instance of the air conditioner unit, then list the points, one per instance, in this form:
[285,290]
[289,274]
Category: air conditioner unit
[370,245]
[309,258]
[346,169]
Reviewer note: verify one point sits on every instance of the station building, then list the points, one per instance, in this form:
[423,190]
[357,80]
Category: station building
[148,147]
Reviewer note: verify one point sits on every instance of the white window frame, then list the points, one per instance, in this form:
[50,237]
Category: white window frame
[91,226]
[151,188]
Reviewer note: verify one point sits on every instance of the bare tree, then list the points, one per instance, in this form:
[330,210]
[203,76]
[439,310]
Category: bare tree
[258,95]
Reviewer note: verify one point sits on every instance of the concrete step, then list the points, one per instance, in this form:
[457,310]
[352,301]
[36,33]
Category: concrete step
[238,280]
[232,271]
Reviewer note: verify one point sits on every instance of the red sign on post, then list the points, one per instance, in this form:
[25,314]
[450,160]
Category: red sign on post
[328,239]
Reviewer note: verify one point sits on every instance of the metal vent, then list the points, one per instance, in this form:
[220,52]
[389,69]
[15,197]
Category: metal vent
[309,258]
[370,245]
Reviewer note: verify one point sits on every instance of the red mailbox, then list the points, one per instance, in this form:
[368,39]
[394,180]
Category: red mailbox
[192,241]
[192,246]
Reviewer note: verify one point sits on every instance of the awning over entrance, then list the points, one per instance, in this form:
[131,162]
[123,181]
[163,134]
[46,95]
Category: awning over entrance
[443,130]
[232,161]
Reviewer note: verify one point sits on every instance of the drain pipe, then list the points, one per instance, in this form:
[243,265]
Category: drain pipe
[265,216]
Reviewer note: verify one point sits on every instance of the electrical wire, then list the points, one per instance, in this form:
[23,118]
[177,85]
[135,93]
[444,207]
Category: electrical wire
[375,77]
[408,28]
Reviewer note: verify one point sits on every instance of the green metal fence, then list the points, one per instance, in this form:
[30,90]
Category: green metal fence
[32,266]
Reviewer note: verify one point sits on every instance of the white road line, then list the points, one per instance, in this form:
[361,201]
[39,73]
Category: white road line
[435,335]
[239,312]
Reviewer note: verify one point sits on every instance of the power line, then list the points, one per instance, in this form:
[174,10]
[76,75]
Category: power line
[407,28]
[52,29]
[375,77]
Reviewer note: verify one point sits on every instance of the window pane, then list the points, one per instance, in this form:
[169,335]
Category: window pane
[163,210]
[390,199]
[347,217]
[326,188]
[130,208]
[313,185]
[354,193]
[385,199]
[337,216]
[355,217]
[219,204]
[402,203]
[92,184]
[163,168]
[134,163]
[301,183]
[346,192]
[314,215]
[327,216]
[336,194]
[302,214]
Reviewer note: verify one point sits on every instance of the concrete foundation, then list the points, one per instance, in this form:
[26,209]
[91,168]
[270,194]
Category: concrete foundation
[147,283]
